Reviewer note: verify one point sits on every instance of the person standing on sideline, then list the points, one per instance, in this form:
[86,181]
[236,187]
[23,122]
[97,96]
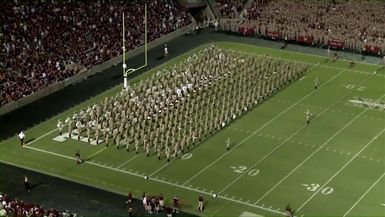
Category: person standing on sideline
[22,137]
[60,127]
[228,143]
[26,184]
[129,198]
[200,203]
[77,155]
[175,204]
[316,82]
[165,51]
[130,212]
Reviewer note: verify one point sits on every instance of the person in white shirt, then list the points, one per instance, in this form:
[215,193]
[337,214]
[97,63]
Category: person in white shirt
[60,126]
[21,137]
[165,50]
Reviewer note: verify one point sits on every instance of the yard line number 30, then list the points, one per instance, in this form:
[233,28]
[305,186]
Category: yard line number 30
[315,187]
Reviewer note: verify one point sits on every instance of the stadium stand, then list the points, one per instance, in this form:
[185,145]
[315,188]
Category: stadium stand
[334,24]
[17,207]
[230,8]
[49,41]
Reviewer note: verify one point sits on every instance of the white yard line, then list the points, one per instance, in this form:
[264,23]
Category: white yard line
[342,168]
[40,137]
[259,129]
[366,192]
[132,158]
[157,180]
[313,153]
[285,141]
[156,171]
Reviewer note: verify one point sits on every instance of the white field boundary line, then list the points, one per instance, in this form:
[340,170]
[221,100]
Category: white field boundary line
[313,153]
[342,168]
[259,129]
[366,192]
[132,158]
[155,179]
[308,63]
[304,54]
[288,138]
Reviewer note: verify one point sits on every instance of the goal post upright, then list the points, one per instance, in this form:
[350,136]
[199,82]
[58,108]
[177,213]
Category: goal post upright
[130,70]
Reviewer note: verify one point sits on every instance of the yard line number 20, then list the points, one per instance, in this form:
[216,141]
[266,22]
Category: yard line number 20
[242,169]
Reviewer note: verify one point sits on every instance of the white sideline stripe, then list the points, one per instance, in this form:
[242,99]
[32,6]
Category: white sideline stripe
[154,179]
[342,168]
[132,158]
[312,154]
[262,127]
[366,192]
[284,142]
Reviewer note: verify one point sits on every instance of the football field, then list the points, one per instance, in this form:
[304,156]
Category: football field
[335,166]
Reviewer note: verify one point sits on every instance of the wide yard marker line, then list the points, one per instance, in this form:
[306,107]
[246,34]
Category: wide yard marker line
[96,153]
[342,168]
[132,158]
[366,192]
[284,142]
[312,154]
[262,127]
[162,167]
[40,137]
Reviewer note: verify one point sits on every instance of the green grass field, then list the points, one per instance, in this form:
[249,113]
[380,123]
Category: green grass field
[333,167]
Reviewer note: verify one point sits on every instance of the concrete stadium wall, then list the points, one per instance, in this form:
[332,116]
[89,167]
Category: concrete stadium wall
[86,73]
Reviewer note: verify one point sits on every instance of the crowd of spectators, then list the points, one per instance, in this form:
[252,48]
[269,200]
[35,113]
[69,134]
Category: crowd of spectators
[357,25]
[230,8]
[16,207]
[49,41]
